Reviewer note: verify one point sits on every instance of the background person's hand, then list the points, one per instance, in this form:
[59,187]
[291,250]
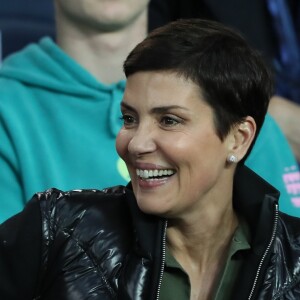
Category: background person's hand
[287,115]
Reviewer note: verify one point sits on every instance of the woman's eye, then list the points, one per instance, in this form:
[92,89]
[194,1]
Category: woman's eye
[127,119]
[169,121]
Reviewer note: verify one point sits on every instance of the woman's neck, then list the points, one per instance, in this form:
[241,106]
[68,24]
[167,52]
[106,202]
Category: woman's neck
[201,249]
[200,241]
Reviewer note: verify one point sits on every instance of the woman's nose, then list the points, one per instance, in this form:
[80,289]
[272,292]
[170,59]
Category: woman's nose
[142,141]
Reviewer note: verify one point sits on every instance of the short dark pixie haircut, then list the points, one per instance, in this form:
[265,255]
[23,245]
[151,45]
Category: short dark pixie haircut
[233,78]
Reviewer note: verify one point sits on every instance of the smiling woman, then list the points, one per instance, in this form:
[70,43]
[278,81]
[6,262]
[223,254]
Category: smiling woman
[194,222]
[173,130]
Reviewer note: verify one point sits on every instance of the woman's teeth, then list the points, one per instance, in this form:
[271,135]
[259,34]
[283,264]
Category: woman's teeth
[146,174]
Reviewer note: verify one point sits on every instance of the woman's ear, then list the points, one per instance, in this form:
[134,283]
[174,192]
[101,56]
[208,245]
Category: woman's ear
[242,136]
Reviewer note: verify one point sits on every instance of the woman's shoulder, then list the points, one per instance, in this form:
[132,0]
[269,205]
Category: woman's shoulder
[88,206]
[290,227]
[55,196]
[284,263]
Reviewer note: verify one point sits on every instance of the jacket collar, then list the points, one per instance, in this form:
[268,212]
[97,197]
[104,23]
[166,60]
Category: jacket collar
[255,199]
[150,236]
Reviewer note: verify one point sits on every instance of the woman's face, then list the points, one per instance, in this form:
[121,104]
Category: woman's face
[175,159]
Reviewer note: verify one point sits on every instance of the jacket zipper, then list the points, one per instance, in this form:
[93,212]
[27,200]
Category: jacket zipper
[266,252]
[163,259]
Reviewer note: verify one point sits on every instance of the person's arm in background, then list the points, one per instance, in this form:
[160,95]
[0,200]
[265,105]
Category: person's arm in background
[287,115]
[273,159]
[12,198]
[20,254]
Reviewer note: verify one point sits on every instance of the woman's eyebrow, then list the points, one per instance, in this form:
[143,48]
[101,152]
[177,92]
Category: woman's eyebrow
[155,110]
[127,106]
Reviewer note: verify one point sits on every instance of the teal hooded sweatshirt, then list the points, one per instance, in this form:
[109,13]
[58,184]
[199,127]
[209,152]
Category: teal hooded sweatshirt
[58,127]
[59,124]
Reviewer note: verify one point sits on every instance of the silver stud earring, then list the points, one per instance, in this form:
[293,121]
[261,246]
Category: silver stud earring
[232,159]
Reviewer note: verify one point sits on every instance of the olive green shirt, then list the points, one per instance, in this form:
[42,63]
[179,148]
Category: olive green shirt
[176,284]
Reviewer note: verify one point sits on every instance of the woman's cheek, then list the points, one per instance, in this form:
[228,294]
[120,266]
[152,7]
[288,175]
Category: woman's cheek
[122,141]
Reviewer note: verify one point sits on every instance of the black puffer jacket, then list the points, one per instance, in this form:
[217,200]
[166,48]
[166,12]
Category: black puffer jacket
[99,245]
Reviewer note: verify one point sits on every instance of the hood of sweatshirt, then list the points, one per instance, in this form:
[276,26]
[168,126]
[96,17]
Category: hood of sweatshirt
[44,65]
